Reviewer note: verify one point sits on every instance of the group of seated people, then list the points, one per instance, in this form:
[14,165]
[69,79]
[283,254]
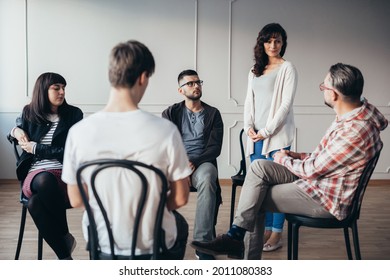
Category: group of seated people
[184,144]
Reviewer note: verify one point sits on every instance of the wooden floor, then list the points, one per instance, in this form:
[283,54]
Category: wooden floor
[324,244]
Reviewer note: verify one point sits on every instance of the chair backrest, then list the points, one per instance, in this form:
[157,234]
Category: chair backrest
[17,152]
[14,142]
[362,186]
[135,167]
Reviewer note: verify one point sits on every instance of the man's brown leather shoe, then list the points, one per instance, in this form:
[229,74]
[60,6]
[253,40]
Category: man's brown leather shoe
[222,245]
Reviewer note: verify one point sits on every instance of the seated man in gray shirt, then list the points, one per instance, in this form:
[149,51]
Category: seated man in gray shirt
[201,127]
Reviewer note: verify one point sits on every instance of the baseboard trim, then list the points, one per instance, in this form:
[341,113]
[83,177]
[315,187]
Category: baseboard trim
[8,181]
[379,182]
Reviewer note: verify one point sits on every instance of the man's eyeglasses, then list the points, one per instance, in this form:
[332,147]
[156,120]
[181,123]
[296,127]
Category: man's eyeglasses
[323,87]
[192,83]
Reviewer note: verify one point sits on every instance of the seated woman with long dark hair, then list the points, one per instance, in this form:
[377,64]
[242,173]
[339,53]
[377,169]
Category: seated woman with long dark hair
[41,132]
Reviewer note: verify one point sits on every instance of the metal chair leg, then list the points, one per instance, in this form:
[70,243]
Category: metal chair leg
[347,243]
[21,232]
[356,241]
[232,203]
[289,241]
[40,246]
[295,235]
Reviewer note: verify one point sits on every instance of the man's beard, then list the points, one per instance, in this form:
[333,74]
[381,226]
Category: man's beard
[194,97]
[327,104]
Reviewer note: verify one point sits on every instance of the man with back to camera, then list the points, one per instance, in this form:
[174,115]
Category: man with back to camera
[201,127]
[123,131]
[321,184]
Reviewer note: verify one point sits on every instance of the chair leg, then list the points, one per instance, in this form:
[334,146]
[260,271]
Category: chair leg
[232,203]
[347,243]
[40,246]
[21,232]
[218,202]
[295,237]
[356,241]
[215,219]
[289,241]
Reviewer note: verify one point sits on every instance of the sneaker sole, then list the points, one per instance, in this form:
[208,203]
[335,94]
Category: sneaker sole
[240,256]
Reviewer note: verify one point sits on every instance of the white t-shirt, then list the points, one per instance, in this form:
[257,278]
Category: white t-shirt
[135,135]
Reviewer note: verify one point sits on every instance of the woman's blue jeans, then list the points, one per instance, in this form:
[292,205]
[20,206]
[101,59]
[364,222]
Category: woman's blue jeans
[273,221]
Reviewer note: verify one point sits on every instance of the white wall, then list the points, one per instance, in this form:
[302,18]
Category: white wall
[215,37]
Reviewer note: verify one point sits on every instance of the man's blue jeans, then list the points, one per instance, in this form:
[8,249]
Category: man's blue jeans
[204,179]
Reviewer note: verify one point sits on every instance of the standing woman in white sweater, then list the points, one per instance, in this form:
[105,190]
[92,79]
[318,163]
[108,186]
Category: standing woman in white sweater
[268,111]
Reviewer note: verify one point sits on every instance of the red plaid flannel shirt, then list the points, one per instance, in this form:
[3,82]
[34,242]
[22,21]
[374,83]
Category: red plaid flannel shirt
[331,173]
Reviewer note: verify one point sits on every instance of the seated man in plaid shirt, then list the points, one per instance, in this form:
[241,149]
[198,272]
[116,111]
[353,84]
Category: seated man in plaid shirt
[320,184]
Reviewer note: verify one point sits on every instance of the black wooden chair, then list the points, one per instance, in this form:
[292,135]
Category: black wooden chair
[296,221]
[238,179]
[135,167]
[24,201]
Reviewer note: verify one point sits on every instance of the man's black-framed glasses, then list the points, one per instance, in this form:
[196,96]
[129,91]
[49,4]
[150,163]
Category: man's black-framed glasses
[192,83]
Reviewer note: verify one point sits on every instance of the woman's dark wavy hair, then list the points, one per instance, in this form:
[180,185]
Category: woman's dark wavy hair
[39,108]
[261,58]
